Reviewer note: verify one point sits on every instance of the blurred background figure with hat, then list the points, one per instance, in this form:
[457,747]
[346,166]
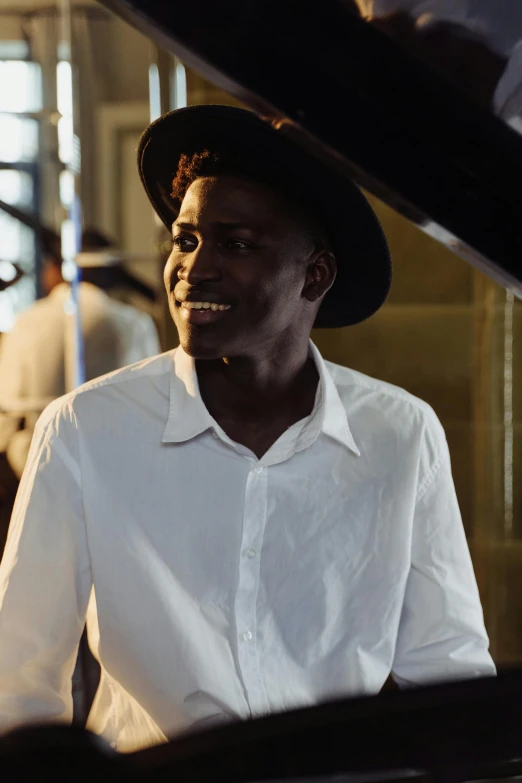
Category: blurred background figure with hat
[33,354]
[102,265]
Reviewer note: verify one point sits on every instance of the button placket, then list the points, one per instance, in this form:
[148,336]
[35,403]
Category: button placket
[254,521]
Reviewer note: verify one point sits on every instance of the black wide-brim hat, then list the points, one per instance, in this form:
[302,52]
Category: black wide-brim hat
[358,242]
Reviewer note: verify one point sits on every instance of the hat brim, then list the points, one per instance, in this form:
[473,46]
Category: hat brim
[358,242]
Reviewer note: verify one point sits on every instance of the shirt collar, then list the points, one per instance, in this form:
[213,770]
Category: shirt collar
[329,409]
[188,416]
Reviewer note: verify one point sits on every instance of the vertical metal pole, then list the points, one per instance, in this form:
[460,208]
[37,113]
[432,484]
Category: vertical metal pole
[74,362]
[509,309]
[41,30]
[178,85]
[167,91]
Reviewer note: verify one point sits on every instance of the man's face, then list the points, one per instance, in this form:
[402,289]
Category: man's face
[238,249]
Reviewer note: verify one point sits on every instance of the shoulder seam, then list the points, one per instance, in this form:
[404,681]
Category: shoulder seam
[389,390]
[429,478]
[90,386]
[54,440]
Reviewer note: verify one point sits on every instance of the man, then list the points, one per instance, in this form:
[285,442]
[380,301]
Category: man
[261,529]
[33,354]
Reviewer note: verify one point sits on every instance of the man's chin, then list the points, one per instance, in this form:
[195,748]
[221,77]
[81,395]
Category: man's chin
[202,349]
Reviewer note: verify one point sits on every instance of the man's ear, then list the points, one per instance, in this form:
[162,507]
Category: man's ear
[320,275]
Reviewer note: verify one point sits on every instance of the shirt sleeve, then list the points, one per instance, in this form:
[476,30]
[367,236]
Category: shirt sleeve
[45,582]
[441,632]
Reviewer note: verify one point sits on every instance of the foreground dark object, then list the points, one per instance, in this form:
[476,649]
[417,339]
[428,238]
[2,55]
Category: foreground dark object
[57,753]
[356,98]
[457,732]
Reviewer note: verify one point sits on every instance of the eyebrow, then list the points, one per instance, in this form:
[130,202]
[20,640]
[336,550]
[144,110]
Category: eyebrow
[223,224]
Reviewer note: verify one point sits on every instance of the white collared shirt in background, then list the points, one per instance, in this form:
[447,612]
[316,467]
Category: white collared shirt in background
[32,355]
[227,586]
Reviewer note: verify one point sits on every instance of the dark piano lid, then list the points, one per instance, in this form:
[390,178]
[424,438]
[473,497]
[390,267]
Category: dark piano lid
[356,97]
[453,733]
[450,733]
[476,44]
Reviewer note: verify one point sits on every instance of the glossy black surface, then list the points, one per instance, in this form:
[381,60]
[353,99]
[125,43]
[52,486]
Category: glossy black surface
[458,732]
[453,733]
[356,98]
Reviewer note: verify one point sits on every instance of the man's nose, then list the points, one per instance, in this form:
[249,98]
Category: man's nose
[200,265]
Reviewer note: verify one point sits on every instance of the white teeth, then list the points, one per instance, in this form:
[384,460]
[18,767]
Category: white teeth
[205,306]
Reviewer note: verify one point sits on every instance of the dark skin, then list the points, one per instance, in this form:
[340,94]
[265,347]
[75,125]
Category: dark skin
[241,246]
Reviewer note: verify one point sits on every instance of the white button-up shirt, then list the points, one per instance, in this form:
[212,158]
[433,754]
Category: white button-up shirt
[223,586]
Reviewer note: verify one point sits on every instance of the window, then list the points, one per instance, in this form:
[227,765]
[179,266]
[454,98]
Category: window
[20,100]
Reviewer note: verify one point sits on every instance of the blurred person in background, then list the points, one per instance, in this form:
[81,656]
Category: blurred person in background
[33,354]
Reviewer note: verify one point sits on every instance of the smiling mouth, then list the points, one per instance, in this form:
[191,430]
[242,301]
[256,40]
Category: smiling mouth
[214,306]
[202,312]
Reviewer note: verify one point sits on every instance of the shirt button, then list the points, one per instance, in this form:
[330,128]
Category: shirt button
[259,469]
[251,552]
[247,636]
[215,435]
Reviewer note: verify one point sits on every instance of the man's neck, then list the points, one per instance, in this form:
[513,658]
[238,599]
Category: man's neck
[256,398]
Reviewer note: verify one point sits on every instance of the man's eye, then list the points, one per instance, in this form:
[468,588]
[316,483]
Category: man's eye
[237,244]
[184,243]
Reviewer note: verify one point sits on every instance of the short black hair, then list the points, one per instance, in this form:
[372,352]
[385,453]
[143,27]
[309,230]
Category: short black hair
[209,163]
[93,240]
[51,246]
